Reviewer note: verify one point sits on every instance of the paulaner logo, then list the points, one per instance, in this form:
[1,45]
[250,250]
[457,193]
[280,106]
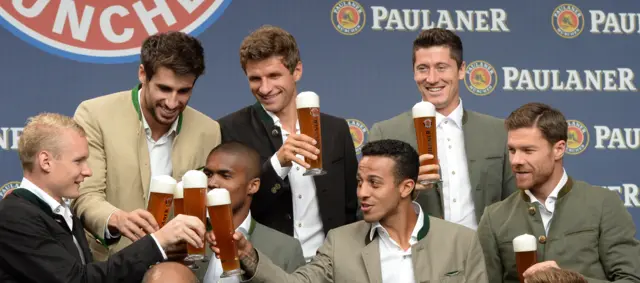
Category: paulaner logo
[104,31]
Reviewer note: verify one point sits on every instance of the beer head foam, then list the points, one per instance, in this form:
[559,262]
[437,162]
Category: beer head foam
[525,243]
[218,197]
[307,99]
[163,184]
[178,193]
[423,109]
[194,179]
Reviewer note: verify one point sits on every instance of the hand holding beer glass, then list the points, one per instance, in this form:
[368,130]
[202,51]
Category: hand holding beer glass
[308,105]
[194,184]
[219,206]
[424,122]
[525,247]
[161,197]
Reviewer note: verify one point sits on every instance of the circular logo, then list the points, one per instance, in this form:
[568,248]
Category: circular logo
[480,78]
[348,17]
[567,21]
[359,134]
[8,187]
[315,112]
[577,137]
[104,31]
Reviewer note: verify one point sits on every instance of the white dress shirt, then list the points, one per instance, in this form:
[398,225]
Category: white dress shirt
[549,206]
[395,263]
[456,187]
[159,154]
[215,266]
[307,223]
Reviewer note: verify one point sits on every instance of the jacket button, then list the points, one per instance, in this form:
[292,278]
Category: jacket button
[288,216]
[532,210]
[542,239]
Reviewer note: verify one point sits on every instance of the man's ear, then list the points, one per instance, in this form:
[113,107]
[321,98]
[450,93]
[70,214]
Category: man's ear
[254,186]
[406,187]
[44,160]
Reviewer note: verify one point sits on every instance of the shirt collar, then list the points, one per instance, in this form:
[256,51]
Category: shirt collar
[455,116]
[276,120]
[377,227]
[49,200]
[245,226]
[554,194]
[147,129]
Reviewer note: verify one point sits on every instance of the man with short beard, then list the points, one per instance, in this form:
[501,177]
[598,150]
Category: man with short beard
[140,133]
[579,227]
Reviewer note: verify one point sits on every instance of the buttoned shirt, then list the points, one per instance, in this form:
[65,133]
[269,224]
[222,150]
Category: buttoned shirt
[549,206]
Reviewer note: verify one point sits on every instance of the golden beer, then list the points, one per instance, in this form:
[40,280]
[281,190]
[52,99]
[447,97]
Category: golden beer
[178,200]
[525,247]
[219,205]
[194,184]
[308,105]
[161,191]
[424,121]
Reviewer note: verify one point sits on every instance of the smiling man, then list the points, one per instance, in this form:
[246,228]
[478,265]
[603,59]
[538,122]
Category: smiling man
[303,207]
[472,147]
[136,134]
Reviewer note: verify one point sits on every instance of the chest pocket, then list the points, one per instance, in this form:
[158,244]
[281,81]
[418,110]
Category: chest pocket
[457,277]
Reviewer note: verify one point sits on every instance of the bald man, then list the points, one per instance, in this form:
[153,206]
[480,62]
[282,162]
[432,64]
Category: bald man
[170,272]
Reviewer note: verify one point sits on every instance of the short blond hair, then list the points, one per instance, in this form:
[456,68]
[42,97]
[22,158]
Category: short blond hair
[43,132]
[556,275]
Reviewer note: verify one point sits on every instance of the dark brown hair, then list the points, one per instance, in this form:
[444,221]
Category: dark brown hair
[177,51]
[556,275]
[269,41]
[548,120]
[439,37]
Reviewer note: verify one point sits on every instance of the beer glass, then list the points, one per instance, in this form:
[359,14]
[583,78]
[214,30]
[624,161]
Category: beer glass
[219,206]
[424,122]
[160,197]
[308,104]
[178,199]
[525,247]
[194,184]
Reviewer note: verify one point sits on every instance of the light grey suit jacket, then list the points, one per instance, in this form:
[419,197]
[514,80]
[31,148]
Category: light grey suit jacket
[448,253]
[284,250]
[485,142]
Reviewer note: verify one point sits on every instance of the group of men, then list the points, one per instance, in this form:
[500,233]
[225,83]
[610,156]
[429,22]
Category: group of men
[500,179]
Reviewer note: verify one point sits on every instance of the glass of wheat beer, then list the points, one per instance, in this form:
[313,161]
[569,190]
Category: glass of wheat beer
[194,184]
[161,197]
[178,199]
[525,247]
[219,206]
[308,104]
[424,121]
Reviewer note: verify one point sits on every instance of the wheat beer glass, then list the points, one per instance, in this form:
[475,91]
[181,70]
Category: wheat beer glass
[178,199]
[308,104]
[525,247]
[424,121]
[160,198]
[219,206]
[194,184]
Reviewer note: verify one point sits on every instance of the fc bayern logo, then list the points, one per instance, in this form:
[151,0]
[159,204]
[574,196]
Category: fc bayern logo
[8,187]
[577,137]
[104,31]
[359,134]
[348,17]
[480,78]
[567,21]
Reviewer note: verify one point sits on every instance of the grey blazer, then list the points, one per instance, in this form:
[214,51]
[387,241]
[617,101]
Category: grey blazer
[485,140]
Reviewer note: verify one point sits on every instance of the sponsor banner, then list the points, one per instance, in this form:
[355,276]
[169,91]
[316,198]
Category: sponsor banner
[359,134]
[629,193]
[7,188]
[568,21]
[9,137]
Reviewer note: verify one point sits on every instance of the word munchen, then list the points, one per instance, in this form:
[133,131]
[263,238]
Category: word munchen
[629,192]
[9,138]
[493,20]
[616,138]
[616,23]
[620,79]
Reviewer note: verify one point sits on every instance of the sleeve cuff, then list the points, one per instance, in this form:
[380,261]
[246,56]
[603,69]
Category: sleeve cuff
[164,255]
[281,171]
[108,235]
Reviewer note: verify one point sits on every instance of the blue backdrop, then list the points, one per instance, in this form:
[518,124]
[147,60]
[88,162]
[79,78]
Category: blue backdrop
[579,57]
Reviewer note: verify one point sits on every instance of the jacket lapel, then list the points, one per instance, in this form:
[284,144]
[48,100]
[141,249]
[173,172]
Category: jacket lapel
[472,149]
[421,262]
[143,149]
[78,232]
[371,258]
[264,123]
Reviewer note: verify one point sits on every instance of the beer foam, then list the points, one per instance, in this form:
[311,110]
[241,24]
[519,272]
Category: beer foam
[525,243]
[423,109]
[218,197]
[307,99]
[194,179]
[163,184]
[178,193]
